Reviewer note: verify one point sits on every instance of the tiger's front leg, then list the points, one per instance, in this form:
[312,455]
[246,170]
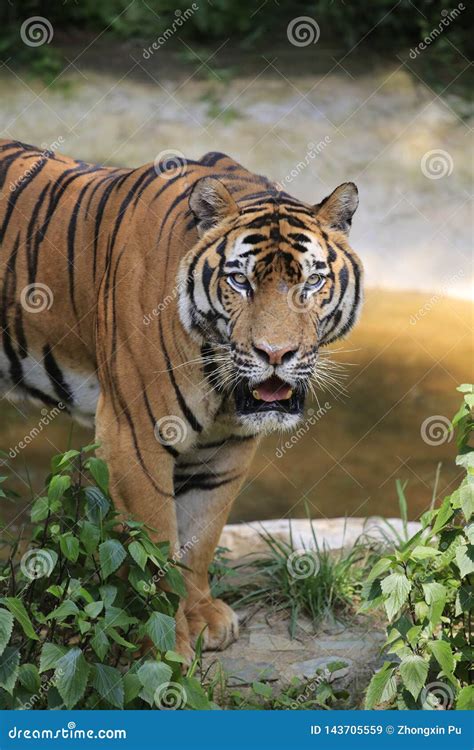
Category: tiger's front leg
[141,483]
[207,480]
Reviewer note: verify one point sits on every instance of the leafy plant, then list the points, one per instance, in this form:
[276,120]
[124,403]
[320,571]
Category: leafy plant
[426,587]
[316,693]
[78,606]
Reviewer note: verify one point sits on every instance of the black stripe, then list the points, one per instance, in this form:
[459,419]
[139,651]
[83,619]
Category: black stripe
[196,426]
[56,377]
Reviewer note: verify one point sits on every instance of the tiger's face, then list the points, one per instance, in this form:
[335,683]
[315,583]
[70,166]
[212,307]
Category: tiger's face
[266,286]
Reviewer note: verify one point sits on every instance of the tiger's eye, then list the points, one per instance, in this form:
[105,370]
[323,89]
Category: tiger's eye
[315,279]
[239,278]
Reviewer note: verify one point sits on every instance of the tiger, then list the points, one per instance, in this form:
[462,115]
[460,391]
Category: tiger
[179,307]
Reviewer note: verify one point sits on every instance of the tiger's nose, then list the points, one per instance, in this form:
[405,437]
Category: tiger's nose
[275,355]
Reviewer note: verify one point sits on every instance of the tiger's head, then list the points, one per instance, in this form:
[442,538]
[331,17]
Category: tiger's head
[269,282]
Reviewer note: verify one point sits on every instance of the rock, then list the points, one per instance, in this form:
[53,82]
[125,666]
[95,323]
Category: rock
[266,641]
[242,672]
[332,533]
[342,647]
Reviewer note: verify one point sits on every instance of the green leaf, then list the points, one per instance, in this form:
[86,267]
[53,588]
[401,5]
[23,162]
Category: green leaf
[17,608]
[382,687]
[9,663]
[89,536]
[443,654]
[100,472]
[443,514]
[138,553]
[71,676]
[97,505]
[262,688]
[162,630]
[466,460]
[108,594]
[121,641]
[466,492]
[57,487]
[112,554]
[465,700]
[66,609]
[99,642]
[465,559]
[69,546]
[39,510]
[423,552]
[381,566]
[152,675]
[108,683]
[414,671]
[397,587]
[50,654]
[94,609]
[6,627]
[435,596]
[195,696]
[175,581]
[29,677]
[132,687]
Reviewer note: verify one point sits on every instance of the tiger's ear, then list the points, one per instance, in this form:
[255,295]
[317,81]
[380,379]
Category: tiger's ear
[338,208]
[210,202]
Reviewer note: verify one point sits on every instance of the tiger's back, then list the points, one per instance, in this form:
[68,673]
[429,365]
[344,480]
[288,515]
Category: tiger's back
[63,225]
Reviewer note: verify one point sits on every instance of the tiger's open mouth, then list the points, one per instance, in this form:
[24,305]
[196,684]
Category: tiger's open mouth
[272,394]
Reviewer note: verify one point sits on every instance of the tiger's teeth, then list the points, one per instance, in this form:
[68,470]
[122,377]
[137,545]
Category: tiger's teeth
[290,393]
[256,395]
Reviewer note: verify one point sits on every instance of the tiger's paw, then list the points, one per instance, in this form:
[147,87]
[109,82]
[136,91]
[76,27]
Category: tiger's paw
[217,622]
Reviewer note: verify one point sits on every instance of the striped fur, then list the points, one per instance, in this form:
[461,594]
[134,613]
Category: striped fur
[116,304]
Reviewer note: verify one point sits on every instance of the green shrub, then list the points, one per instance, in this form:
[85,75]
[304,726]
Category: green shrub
[77,604]
[426,587]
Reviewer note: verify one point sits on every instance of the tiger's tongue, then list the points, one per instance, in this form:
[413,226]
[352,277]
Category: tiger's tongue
[273,389]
